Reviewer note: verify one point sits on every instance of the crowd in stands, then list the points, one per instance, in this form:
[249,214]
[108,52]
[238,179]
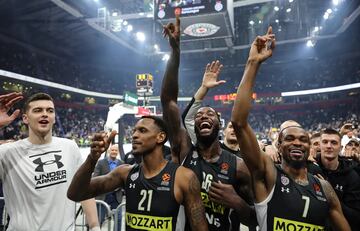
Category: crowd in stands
[272,78]
[54,69]
[79,124]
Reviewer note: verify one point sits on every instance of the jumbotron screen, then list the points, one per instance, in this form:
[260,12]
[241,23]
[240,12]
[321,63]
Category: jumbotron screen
[165,9]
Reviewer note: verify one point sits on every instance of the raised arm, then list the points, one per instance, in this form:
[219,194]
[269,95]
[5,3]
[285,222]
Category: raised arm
[210,80]
[259,165]
[6,102]
[179,140]
[82,186]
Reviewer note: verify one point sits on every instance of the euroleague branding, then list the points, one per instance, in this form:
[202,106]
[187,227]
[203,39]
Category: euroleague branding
[48,169]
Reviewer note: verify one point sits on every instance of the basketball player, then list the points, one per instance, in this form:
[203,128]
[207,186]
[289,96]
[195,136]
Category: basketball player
[36,172]
[154,189]
[212,165]
[286,195]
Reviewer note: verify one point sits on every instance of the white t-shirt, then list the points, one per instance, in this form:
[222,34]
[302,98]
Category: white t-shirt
[35,182]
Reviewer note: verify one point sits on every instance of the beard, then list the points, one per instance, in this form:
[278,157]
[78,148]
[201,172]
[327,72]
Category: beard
[208,139]
[296,164]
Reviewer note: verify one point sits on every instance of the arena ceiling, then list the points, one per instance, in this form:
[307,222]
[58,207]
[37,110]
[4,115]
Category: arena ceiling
[70,28]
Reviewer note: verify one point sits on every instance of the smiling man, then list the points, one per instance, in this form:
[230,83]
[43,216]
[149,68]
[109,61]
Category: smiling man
[37,171]
[217,170]
[286,196]
[154,189]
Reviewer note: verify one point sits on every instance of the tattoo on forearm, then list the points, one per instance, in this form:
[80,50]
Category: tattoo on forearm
[194,185]
[197,214]
[196,210]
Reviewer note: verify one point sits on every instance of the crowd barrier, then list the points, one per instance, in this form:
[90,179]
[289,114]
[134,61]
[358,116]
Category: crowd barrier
[111,219]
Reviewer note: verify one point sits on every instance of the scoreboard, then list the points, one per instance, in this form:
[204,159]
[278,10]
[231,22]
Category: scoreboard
[166,9]
[144,81]
[144,84]
[200,19]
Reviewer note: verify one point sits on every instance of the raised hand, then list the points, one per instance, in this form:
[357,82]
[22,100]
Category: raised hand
[100,143]
[6,102]
[212,72]
[173,32]
[262,47]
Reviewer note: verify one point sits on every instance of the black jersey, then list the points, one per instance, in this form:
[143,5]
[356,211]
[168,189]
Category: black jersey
[292,206]
[224,170]
[151,203]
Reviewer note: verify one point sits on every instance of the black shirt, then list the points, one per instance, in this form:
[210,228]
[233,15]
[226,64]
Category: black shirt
[224,170]
[151,203]
[293,206]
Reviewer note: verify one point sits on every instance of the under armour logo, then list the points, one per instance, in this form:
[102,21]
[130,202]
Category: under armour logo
[40,167]
[339,187]
[285,190]
[193,162]
[132,185]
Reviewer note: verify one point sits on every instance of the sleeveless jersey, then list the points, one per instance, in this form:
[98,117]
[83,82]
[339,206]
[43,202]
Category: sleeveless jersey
[224,170]
[151,203]
[291,206]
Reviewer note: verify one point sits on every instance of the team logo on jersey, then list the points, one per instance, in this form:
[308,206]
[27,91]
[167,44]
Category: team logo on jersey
[134,176]
[285,180]
[195,155]
[41,164]
[132,185]
[339,187]
[317,189]
[165,179]
[285,189]
[224,168]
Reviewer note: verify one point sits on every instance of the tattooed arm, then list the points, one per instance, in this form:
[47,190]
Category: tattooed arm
[187,193]
[337,219]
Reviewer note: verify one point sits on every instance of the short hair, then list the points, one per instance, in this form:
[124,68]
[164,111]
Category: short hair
[315,135]
[284,128]
[160,123]
[330,131]
[36,97]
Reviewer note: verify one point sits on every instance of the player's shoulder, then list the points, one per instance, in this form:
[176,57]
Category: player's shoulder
[64,141]
[184,173]
[7,147]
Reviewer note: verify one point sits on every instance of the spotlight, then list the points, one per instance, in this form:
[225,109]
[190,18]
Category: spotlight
[329,11]
[166,57]
[326,15]
[277,20]
[260,21]
[140,36]
[156,47]
[335,2]
[310,43]
[129,28]
[251,22]
[291,1]
[276,8]
[288,10]
[125,23]
[316,29]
